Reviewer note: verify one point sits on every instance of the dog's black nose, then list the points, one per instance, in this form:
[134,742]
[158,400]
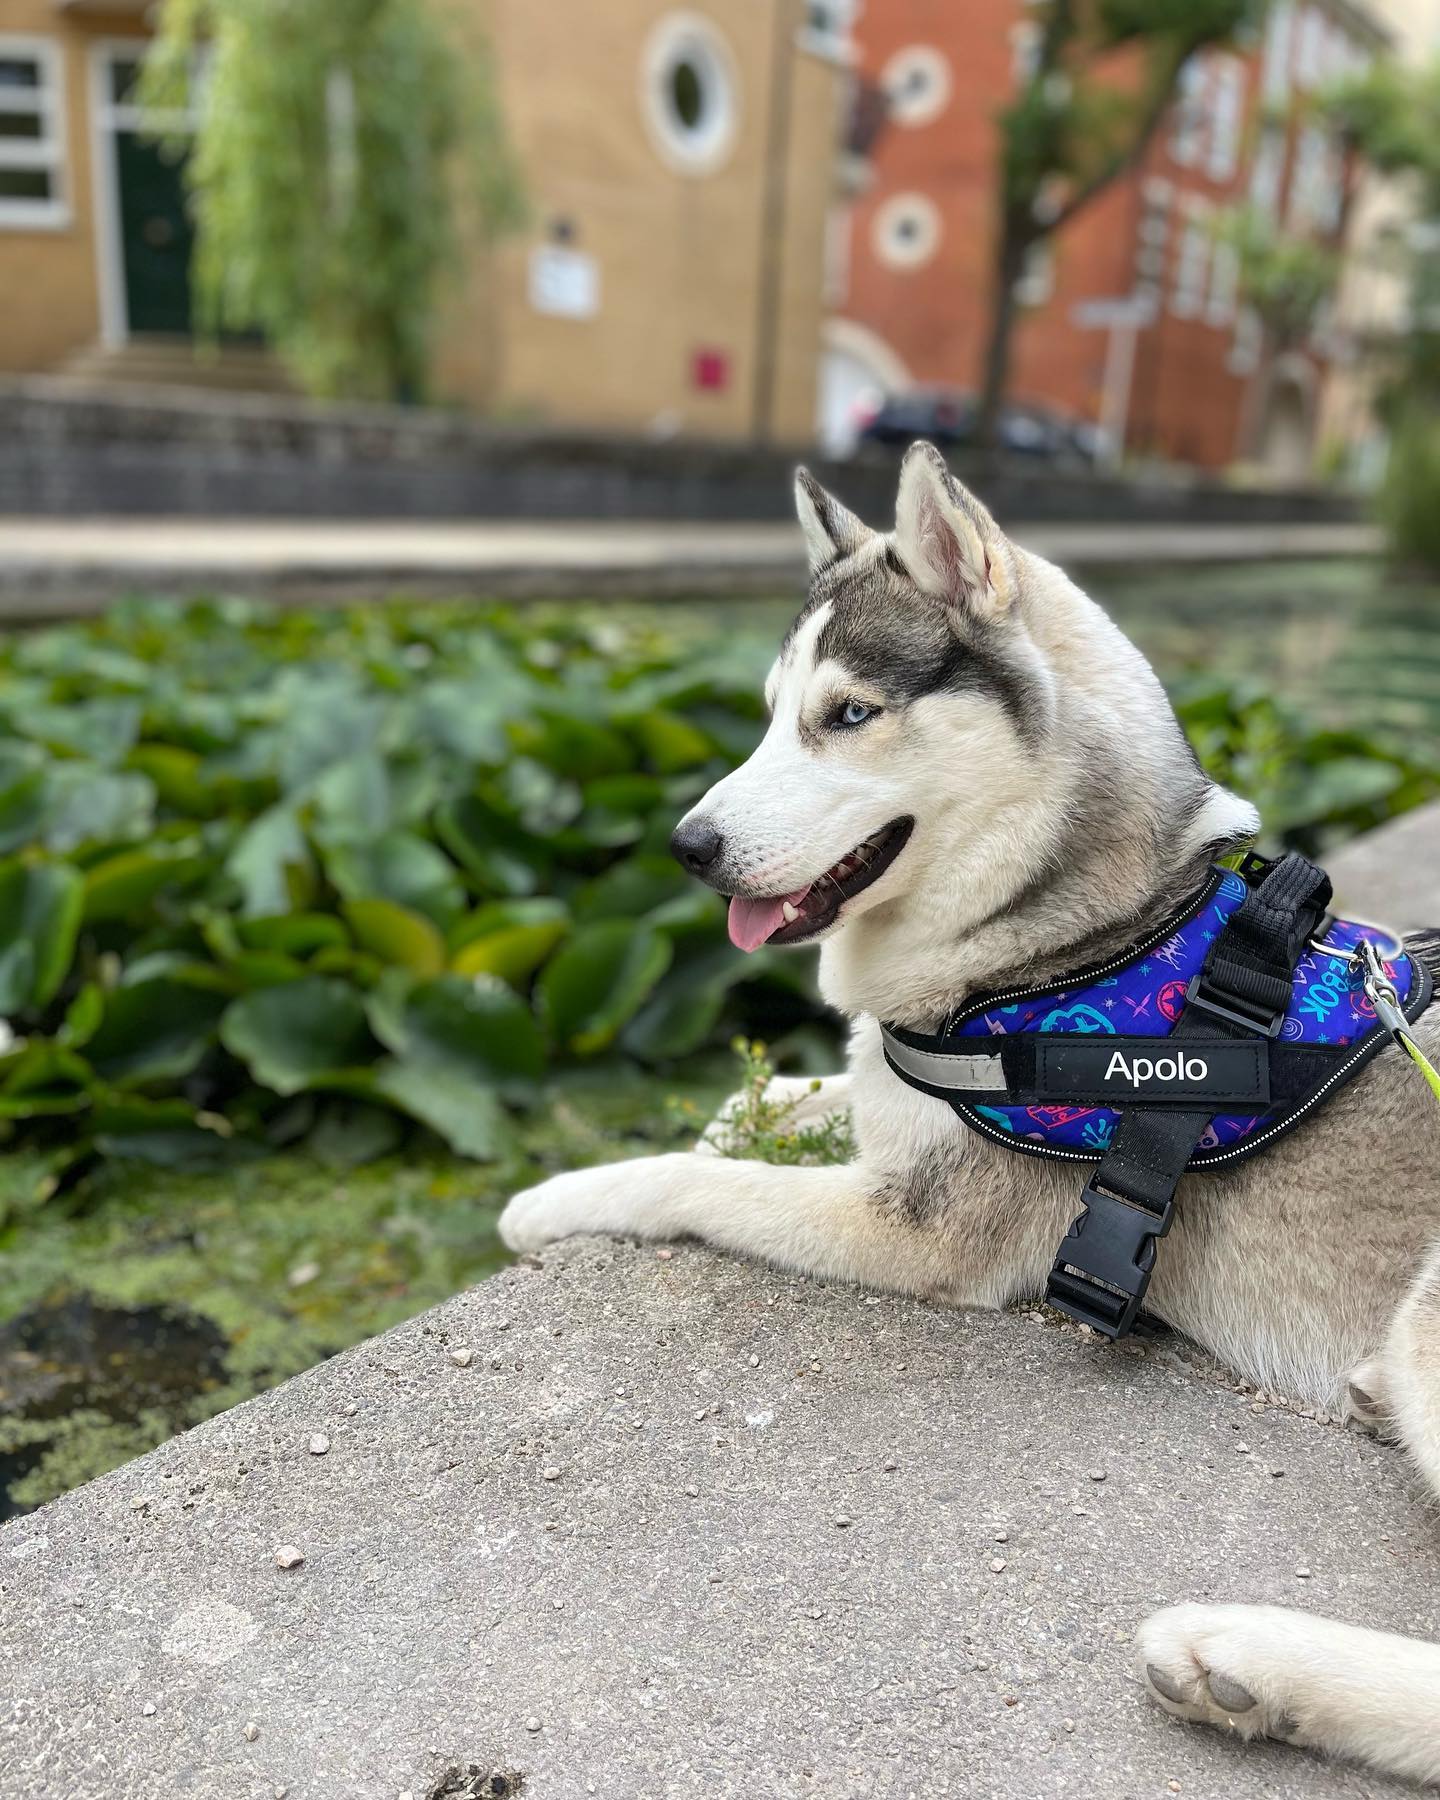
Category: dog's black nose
[695,844]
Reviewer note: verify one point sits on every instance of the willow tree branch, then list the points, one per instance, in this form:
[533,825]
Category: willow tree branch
[1116,165]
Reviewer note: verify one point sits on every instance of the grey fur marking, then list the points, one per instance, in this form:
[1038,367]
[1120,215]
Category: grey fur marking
[887,632]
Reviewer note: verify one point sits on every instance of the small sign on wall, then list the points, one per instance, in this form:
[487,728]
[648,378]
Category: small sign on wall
[565,284]
[710,370]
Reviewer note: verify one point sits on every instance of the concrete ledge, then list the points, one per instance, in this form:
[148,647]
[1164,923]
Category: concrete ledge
[683,1526]
[52,568]
[1393,874]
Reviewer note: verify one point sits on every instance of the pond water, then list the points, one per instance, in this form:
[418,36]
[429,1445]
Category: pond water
[1346,642]
[1349,642]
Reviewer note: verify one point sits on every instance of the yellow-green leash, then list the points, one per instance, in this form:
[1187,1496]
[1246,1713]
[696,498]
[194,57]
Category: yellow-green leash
[1387,1010]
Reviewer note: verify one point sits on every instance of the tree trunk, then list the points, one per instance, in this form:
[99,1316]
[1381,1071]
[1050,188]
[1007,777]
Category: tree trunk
[1004,310]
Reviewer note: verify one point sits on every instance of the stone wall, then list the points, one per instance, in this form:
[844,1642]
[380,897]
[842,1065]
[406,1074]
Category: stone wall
[67,452]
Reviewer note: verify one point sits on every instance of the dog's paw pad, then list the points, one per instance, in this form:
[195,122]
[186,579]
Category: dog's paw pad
[1229,1695]
[1166,1686]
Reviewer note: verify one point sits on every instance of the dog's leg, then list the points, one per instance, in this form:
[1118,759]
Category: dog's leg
[1365,1695]
[811,1099]
[1267,1671]
[820,1221]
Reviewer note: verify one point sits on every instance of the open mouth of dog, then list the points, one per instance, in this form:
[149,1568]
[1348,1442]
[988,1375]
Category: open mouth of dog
[791,918]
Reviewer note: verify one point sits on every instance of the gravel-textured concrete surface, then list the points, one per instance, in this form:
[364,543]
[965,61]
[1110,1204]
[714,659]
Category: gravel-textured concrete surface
[685,1527]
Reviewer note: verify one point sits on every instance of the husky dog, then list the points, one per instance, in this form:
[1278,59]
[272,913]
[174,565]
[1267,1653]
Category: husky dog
[970,781]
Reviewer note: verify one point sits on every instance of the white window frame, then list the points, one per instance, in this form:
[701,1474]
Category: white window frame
[1037,279]
[695,38]
[914,111]
[1025,39]
[898,253]
[1309,176]
[1309,55]
[1227,117]
[1267,171]
[47,101]
[1192,261]
[1279,50]
[1244,357]
[833,40]
[1224,290]
[1188,118]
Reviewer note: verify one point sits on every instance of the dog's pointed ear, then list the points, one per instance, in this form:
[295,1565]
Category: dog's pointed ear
[945,537]
[831,530]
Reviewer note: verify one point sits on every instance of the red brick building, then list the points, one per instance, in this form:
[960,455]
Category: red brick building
[1186,379]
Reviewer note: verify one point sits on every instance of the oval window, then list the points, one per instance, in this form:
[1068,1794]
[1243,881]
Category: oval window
[906,231]
[689,92]
[917,84]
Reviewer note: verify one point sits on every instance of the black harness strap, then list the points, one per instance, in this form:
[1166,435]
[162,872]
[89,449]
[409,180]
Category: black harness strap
[1106,1259]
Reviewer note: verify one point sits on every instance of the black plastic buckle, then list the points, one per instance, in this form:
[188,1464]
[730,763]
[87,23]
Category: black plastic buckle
[1105,1262]
[1253,867]
[1263,1020]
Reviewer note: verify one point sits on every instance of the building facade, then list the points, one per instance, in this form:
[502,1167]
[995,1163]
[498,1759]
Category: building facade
[1132,317]
[678,165]
[1373,301]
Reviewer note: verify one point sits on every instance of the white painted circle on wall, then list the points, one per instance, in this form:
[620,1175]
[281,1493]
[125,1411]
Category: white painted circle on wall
[906,231]
[690,93]
[917,83]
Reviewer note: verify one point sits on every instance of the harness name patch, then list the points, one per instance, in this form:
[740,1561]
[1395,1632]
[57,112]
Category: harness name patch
[1210,1070]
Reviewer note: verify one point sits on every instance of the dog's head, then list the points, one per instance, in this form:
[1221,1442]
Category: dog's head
[934,708]
[904,690]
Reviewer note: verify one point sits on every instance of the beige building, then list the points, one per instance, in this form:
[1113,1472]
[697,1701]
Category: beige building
[678,163]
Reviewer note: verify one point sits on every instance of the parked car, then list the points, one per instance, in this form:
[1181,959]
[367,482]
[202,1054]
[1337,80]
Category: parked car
[947,416]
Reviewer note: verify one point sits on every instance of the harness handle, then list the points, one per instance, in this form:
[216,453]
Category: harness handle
[1242,991]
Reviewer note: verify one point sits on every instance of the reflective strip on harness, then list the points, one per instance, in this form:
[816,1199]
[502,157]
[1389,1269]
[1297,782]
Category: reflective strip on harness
[976,1074]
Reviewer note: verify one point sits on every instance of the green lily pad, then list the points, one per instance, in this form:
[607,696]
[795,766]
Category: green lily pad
[121,886]
[397,935]
[293,934]
[493,850]
[508,938]
[40,907]
[154,1030]
[271,861]
[400,867]
[306,1034]
[599,981]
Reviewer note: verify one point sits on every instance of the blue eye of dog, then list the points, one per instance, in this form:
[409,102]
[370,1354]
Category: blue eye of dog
[855,712]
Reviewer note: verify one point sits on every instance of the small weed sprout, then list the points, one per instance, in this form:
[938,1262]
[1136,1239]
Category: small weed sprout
[760,1128]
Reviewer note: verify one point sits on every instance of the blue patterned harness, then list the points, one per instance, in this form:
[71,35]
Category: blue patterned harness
[1221,1030]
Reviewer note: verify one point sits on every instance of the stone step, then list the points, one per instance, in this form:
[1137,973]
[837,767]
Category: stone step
[178,362]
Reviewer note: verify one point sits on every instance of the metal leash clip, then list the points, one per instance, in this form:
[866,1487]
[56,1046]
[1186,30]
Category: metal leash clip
[1382,991]
[1384,997]
[1393,945]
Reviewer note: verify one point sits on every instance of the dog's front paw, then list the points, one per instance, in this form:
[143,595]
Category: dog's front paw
[1218,1665]
[615,1200]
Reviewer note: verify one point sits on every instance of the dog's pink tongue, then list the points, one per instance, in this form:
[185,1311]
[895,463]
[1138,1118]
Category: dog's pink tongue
[753,921]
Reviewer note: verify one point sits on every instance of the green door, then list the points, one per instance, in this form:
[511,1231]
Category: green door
[156,237]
